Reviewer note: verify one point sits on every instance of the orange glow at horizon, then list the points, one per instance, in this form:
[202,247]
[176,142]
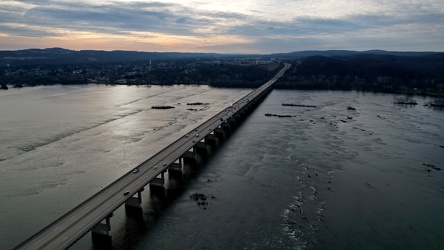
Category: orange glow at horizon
[137,41]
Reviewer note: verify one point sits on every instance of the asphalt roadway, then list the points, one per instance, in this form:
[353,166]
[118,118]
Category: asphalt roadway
[70,227]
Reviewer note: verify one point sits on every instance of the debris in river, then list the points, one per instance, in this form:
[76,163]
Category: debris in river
[299,105]
[162,107]
[435,104]
[350,108]
[276,115]
[197,103]
[202,199]
[196,109]
[405,101]
[431,166]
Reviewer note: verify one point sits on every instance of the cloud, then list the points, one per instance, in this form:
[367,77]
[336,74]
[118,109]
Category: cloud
[253,25]
[25,31]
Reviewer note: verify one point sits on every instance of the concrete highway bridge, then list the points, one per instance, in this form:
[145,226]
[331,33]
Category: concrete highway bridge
[94,214]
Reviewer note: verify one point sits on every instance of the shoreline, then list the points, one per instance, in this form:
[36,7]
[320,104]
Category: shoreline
[423,93]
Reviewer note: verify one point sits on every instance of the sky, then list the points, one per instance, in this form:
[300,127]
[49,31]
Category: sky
[239,26]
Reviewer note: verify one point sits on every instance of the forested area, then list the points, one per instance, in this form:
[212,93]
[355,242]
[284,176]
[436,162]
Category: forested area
[410,73]
[379,73]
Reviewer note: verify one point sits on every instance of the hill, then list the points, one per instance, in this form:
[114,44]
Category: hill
[409,73]
[64,56]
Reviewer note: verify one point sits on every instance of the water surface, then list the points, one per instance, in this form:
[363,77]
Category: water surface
[325,178]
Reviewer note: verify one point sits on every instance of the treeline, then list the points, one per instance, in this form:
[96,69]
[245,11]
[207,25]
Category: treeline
[226,75]
[237,76]
[379,73]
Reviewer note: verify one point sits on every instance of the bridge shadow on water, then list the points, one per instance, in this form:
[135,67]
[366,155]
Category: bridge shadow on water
[139,221]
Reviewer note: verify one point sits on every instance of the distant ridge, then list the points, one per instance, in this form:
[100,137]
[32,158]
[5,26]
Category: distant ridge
[66,56]
[307,53]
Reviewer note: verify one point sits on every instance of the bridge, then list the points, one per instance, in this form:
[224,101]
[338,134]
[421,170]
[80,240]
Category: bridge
[95,213]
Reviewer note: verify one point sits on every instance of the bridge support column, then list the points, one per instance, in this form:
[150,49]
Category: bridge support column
[232,122]
[201,148]
[175,169]
[254,102]
[189,158]
[227,128]
[211,140]
[102,229]
[157,184]
[249,109]
[135,202]
[219,133]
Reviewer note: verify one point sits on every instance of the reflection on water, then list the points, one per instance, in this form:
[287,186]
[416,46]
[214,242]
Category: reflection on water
[316,178]
[61,144]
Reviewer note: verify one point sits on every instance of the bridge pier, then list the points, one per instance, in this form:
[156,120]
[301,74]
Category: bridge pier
[232,122]
[189,158]
[249,109]
[227,128]
[201,151]
[246,108]
[157,184]
[201,148]
[135,202]
[239,116]
[101,230]
[175,169]
[220,134]
[254,102]
[211,140]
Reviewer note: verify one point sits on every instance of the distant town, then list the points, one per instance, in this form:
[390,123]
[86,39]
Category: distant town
[379,71]
[161,72]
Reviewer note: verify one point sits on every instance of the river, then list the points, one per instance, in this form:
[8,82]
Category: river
[325,178]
